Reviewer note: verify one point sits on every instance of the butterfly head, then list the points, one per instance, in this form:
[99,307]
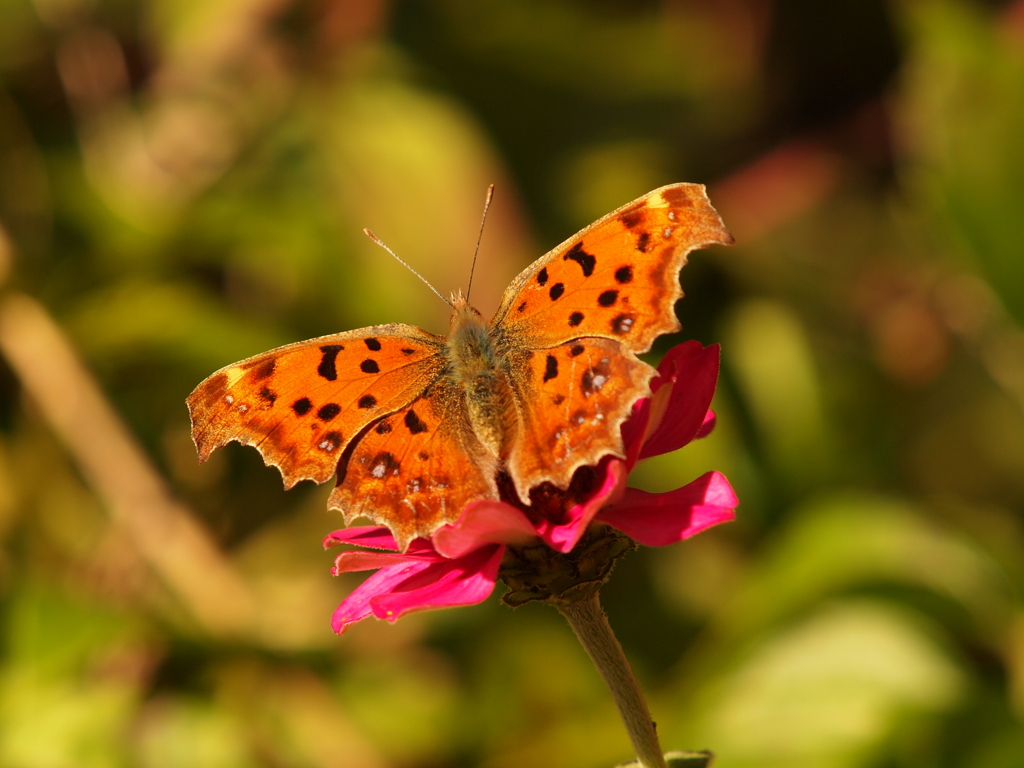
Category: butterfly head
[463,313]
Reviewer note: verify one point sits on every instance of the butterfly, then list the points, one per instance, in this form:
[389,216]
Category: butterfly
[416,426]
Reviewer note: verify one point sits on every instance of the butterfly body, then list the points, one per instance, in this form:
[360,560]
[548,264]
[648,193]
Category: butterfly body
[415,426]
[478,369]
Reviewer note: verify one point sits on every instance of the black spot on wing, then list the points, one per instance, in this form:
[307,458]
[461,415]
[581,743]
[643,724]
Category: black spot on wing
[407,351]
[622,324]
[595,377]
[415,424]
[330,441]
[265,370]
[369,365]
[635,216]
[556,291]
[521,307]
[587,261]
[384,464]
[367,401]
[643,242]
[372,344]
[542,276]
[577,350]
[268,396]
[302,406]
[383,428]
[677,197]
[328,412]
[624,275]
[327,367]
[608,298]
[575,319]
[550,368]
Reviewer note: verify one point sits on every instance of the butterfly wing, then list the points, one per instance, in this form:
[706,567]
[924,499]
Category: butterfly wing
[611,289]
[312,407]
[417,468]
[572,400]
[618,278]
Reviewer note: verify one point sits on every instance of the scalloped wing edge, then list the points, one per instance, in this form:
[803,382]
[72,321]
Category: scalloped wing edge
[199,401]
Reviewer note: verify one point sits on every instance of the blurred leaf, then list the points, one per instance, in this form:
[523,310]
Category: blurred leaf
[180,732]
[825,693]
[680,760]
[138,319]
[837,544]
[768,348]
[69,682]
[405,706]
[413,167]
[641,54]
[689,759]
[962,115]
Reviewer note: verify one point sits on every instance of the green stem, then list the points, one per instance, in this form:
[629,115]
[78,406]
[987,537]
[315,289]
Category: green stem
[589,622]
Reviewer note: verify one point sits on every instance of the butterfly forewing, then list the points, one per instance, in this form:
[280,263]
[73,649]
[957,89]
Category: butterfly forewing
[618,278]
[302,404]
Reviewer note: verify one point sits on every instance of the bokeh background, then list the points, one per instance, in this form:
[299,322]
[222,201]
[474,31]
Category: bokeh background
[183,184]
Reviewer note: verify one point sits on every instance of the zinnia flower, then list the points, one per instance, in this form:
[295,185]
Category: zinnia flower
[459,564]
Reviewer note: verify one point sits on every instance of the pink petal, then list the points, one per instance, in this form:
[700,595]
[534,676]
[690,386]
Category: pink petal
[483,523]
[371,536]
[659,519]
[707,426]
[634,427]
[691,372]
[361,560]
[357,606]
[396,590]
[465,581]
[563,537]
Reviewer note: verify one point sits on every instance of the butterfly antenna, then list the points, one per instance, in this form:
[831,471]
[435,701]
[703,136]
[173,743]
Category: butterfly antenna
[479,238]
[380,242]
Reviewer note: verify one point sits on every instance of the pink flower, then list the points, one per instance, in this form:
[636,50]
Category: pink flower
[459,565]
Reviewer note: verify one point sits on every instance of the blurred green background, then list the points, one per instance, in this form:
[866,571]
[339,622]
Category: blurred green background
[183,184]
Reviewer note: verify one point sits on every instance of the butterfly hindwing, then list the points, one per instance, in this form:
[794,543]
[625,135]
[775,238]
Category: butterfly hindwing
[618,278]
[417,468]
[301,404]
[572,400]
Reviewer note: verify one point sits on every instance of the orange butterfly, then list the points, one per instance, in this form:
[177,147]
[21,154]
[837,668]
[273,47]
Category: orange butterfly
[416,426]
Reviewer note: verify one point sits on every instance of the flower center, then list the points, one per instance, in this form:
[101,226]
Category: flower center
[536,572]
